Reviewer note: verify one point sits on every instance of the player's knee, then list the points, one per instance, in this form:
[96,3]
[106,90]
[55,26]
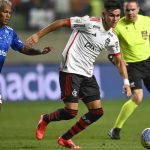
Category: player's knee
[70,113]
[137,97]
[96,114]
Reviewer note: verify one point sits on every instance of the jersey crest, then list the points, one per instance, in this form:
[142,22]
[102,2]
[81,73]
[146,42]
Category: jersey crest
[144,35]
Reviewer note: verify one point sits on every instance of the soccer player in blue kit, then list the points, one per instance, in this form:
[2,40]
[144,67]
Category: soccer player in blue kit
[9,38]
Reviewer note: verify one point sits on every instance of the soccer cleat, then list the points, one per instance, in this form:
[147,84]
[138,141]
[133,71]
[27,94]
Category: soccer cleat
[114,133]
[67,143]
[40,130]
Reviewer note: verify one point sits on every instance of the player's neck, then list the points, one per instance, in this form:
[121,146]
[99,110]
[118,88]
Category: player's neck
[1,25]
[106,27]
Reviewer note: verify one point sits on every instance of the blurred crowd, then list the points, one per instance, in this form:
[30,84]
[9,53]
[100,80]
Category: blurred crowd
[35,14]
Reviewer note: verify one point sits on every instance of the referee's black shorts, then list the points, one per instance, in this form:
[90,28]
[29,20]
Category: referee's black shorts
[75,87]
[137,72]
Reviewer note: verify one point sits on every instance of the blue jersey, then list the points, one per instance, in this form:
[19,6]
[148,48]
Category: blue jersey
[8,38]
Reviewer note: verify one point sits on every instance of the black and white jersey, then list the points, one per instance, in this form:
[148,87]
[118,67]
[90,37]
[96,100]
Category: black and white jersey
[87,41]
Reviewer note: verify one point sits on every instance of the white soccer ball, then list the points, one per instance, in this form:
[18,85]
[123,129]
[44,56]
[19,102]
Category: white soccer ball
[145,138]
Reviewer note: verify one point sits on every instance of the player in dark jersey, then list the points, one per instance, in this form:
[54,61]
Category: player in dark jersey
[9,38]
[90,36]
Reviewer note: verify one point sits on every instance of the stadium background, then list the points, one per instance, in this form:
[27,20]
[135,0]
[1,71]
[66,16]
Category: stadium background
[19,119]
[31,15]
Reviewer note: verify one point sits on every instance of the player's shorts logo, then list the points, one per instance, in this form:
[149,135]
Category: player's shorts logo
[74,93]
[144,35]
[132,84]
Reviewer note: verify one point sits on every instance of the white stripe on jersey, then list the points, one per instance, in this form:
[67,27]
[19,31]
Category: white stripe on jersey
[86,42]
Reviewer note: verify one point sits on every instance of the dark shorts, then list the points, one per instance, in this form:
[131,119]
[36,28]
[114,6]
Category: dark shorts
[75,87]
[137,72]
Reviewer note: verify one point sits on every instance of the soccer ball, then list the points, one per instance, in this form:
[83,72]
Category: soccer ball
[145,138]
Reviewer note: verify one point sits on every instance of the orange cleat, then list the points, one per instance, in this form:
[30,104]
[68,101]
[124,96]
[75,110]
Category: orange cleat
[67,143]
[40,130]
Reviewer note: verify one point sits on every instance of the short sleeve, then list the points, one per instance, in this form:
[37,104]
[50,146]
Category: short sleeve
[80,23]
[114,48]
[16,43]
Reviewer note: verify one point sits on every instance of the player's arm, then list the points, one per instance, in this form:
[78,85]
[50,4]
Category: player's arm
[31,51]
[18,45]
[52,27]
[121,65]
[111,58]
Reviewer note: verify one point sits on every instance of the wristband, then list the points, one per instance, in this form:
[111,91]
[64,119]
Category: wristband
[126,82]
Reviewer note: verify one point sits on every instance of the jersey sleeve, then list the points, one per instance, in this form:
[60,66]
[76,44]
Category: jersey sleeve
[115,47]
[80,23]
[16,44]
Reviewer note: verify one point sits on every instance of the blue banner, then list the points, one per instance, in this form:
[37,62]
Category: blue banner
[41,82]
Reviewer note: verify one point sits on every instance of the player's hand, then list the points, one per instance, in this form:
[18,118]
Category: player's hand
[47,50]
[127,90]
[32,40]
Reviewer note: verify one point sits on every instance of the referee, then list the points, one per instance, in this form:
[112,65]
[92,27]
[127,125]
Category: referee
[133,32]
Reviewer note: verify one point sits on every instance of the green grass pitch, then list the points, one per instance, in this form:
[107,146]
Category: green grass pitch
[19,119]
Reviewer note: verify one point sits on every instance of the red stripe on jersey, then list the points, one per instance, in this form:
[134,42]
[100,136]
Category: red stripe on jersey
[69,49]
[69,22]
[67,85]
[116,54]
[95,19]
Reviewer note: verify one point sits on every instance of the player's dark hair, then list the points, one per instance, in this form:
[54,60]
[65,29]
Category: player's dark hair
[112,4]
[5,2]
[136,1]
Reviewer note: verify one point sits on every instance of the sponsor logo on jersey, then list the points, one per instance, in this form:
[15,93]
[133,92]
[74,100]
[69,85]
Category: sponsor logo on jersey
[117,44]
[3,53]
[79,25]
[92,46]
[78,20]
[94,34]
[109,33]
[96,27]
[107,41]
[144,35]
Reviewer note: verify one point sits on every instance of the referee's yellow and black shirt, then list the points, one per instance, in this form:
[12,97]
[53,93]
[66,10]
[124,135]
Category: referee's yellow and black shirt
[134,38]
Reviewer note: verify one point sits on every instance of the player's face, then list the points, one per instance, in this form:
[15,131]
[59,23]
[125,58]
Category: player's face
[131,10]
[111,18]
[5,13]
